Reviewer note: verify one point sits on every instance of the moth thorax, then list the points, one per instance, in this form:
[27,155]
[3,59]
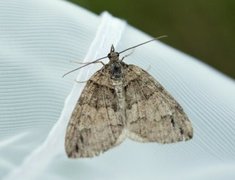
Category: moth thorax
[116,70]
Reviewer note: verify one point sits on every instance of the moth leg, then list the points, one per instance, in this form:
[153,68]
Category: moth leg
[127,55]
[100,62]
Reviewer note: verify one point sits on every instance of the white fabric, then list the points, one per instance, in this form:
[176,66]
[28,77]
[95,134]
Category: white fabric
[38,39]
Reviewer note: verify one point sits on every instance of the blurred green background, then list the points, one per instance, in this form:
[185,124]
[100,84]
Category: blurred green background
[202,28]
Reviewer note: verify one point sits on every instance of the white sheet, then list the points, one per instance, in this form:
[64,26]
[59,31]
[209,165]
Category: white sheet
[38,39]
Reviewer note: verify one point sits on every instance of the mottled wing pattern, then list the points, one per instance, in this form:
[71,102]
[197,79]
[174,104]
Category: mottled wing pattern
[95,125]
[152,113]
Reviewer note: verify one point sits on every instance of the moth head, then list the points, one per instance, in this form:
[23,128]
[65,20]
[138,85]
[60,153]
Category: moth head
[113,55]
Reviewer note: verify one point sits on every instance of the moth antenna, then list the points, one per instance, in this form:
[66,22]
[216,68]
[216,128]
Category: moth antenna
[86,64]
[142,43]
[118,52]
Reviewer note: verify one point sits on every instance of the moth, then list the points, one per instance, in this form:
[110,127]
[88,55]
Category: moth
[123,101]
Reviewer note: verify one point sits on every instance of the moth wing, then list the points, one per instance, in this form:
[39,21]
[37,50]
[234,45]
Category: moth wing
[95,125]
[152,113]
